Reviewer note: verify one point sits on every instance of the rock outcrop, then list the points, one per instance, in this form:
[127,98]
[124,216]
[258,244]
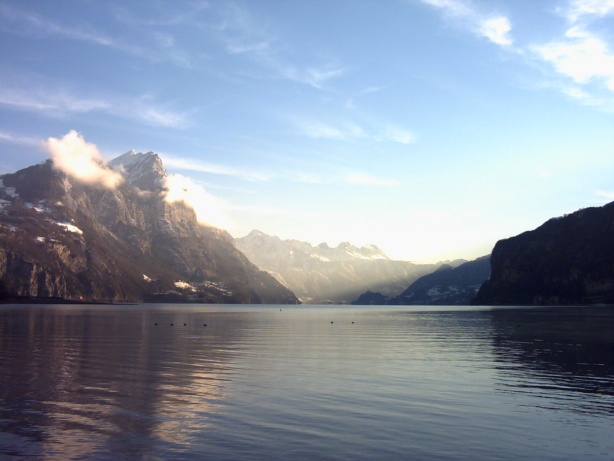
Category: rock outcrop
[567,260]
[64,238]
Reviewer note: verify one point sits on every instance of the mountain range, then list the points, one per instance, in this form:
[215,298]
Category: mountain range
[324,274]
[447,285]
[116,238]
[122,232]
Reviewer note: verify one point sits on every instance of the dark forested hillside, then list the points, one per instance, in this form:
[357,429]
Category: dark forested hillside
[567,260]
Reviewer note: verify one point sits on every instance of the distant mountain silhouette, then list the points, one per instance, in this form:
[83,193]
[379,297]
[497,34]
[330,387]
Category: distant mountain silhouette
[567,260]
[323,274]
[446,286]
[65,239]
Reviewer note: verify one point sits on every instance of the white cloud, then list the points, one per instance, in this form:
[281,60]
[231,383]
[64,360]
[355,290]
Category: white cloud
[81,160]
[581,56]
[497,28]
[209,209]
[453,7]
[580,8]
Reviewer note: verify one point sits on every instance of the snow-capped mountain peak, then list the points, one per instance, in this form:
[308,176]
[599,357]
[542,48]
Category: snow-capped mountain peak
[144,170]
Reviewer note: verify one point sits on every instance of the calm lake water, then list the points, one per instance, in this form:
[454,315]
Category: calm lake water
[306,383]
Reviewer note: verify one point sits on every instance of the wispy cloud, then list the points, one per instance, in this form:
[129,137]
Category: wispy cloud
[350,103]
[49,103]
[180,14]
[580,8]
[54,102]
[162,46]
[149,112]
[607,196]
[349,131]
[396,134]
[246,37]
[189,164]
[494,27]
[316,77]
[319,130]
[17,139]
[23,22]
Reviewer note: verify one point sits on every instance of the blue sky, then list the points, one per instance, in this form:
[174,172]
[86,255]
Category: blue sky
[431,128]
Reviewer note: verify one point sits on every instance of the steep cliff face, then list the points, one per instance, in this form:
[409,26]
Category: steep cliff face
[567,260]
[60,237]
[324,274]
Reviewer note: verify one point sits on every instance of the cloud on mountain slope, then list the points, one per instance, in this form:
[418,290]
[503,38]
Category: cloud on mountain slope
[81,160]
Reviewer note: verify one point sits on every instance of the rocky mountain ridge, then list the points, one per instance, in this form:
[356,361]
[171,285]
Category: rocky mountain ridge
[63,238]
[566,260]
[324,274]
[447,285]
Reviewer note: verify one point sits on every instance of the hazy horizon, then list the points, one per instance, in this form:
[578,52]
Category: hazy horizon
[430,128]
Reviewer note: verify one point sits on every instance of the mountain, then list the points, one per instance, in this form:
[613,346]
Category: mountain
[567,260]
[75,239]
[447,285]
[324,274]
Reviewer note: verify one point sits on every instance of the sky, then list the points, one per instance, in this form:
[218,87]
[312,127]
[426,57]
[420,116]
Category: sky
[430,128]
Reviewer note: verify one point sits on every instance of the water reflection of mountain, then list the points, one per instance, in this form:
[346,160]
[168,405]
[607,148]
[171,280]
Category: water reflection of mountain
[557,350]
[113,382]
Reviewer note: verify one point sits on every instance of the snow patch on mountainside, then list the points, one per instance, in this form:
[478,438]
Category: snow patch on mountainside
[67,226]
[10,191]
[184,285]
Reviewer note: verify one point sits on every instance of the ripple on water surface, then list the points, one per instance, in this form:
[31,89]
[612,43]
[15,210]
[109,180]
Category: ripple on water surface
[247,382]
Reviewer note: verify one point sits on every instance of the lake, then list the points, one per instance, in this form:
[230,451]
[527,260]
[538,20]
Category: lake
[182,382]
